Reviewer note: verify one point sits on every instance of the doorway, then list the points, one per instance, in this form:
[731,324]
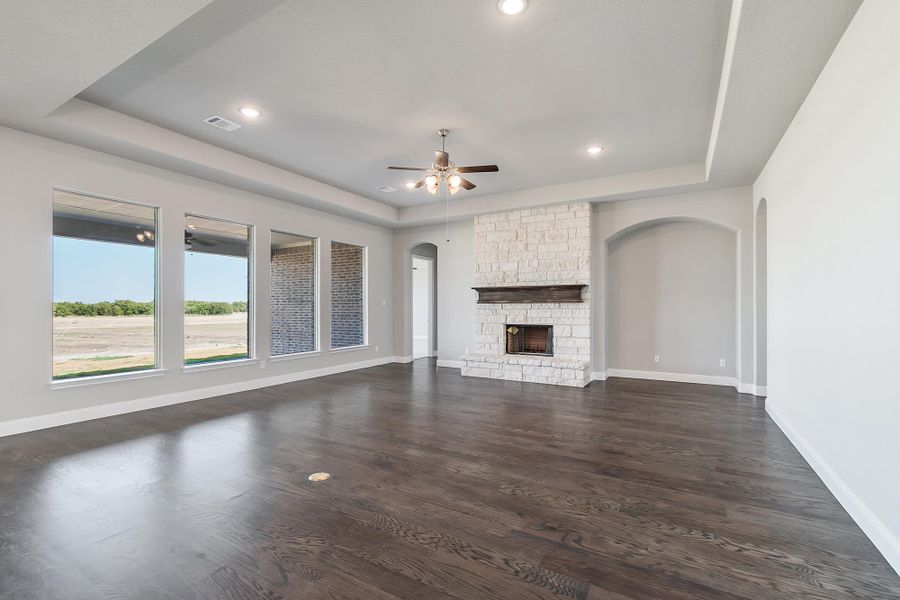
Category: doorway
[423,306]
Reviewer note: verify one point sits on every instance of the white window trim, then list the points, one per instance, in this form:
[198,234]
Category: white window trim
[222,364]
[251,297]
[98,379]
[365,299]
[158,365]
[317,297]
[294,356]
[349,349]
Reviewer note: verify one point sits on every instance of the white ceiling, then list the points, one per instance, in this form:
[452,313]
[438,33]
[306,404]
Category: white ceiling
[684,94]
[350,87]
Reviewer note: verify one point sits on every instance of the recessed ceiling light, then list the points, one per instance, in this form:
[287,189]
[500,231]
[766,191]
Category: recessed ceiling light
[249,111]
[594,150]
[410,185]
[512,7]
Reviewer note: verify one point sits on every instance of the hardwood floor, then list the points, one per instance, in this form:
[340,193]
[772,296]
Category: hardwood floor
[442,487]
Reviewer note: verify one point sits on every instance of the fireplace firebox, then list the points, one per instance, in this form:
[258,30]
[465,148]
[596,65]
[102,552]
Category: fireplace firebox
[536,340]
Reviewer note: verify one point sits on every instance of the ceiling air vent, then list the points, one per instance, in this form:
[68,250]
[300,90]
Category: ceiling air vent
[386,188]
[221,123]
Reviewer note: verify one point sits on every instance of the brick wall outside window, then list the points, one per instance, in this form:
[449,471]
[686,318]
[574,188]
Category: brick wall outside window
[346,295]
[293,293]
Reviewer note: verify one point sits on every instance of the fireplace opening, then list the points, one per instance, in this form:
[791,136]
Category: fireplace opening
[529,339]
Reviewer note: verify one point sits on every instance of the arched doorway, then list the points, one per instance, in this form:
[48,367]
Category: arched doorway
[423,300]
[760,296]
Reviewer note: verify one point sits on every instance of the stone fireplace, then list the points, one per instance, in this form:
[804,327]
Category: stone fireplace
[533,271]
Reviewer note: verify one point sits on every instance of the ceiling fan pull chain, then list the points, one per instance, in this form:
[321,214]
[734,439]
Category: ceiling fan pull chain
[447,213]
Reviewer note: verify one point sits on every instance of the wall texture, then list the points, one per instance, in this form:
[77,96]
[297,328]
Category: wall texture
[292,294]
[33,165]
[455,298]
[671,293]
[729,209]
[832,189]
[347,292]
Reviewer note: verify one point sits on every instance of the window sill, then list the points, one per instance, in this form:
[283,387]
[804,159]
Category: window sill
[98,379]
[295,355]
[349,349]
[225,364]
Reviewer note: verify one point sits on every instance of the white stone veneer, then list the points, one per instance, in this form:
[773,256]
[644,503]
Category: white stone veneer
[537,246]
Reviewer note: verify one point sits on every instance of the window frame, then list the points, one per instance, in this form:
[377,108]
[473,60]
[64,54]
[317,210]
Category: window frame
[159,364]
[251,357]
[365,299]
[317,298]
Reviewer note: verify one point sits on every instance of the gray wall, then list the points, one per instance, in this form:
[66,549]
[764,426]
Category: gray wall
[33,165]
[671,292]
[761,293]
[832,189]
[455,297]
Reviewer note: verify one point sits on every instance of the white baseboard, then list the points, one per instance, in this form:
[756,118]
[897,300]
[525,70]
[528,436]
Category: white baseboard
[749,388]
[886,542]
[403,359]
[119,408]
[598,375]
[679,377]
[450,364]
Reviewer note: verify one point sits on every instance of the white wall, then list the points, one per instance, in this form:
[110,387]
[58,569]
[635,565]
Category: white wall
[833,192]
[761,296]
[730,209]
[670,292]
[455,278]
[32,165]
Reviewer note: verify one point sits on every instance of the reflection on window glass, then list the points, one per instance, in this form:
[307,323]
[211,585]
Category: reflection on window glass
[104,286]
[348,290]
[292,294]
[216,290]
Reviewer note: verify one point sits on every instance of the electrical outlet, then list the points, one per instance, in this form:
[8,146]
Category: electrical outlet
[656,358]
[383,303]
[377,348]
[722,362]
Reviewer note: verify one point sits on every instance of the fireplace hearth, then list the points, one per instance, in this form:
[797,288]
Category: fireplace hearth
[533,340]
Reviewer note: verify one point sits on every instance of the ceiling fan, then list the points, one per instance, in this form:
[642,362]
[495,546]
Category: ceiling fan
[443,170]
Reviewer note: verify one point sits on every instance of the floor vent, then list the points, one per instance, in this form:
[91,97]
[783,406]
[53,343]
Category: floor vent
[221,123]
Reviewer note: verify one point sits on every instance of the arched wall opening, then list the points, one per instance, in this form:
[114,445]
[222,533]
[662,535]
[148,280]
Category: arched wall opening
[671,305]
[423,300]
[760,294]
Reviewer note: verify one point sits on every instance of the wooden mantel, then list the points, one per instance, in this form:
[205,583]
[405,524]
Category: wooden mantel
[527,294]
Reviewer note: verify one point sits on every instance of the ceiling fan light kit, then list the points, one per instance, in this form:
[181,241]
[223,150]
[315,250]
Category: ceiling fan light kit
[444,174]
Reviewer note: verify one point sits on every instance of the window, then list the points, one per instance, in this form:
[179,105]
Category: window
[348,295]
[292,294]
[216,290]
[104,286]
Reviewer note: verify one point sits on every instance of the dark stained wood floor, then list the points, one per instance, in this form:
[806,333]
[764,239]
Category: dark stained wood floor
[443,487]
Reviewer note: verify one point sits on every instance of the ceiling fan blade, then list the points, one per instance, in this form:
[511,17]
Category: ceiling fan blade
[411,168]
[479,169]
[465,183]
[441,158]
